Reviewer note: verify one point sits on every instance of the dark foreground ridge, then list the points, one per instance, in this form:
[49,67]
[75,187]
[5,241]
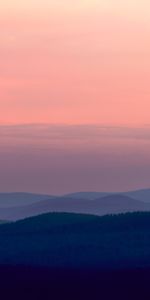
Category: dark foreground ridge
[20,282]
[78,241]
[71,256]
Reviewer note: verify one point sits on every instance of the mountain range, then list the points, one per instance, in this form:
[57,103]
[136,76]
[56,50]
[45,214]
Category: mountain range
[19,206]
[21,199]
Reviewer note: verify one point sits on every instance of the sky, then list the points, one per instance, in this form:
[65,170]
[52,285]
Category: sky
[74,95]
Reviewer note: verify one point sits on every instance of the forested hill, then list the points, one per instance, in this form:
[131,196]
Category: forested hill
[78,241]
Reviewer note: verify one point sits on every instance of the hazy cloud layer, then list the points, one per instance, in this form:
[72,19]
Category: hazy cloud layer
[72,132]
[60,158]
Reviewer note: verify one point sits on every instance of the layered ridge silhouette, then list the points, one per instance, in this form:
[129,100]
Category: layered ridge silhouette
[112,204]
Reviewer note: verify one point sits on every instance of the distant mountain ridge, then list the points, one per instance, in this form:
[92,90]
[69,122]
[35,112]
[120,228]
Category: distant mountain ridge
[24,198]
[112,204]
[15,206]
[86,195]
[141,194]
[20,199]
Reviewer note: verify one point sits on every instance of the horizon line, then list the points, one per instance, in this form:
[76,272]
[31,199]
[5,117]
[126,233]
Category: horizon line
[77,192]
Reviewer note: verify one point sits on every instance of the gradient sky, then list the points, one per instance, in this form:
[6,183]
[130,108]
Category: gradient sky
[67,70]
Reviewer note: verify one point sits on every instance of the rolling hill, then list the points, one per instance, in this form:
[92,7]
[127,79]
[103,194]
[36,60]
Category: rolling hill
[86,195]
[141,195]
[78,241]
[20,199]
[113,204]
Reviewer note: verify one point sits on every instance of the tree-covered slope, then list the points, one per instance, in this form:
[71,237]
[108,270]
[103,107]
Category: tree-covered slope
[78,241]
[3,222]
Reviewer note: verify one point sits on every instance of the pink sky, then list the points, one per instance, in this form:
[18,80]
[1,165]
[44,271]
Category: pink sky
[57,159]
[75,62]
[74,65]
